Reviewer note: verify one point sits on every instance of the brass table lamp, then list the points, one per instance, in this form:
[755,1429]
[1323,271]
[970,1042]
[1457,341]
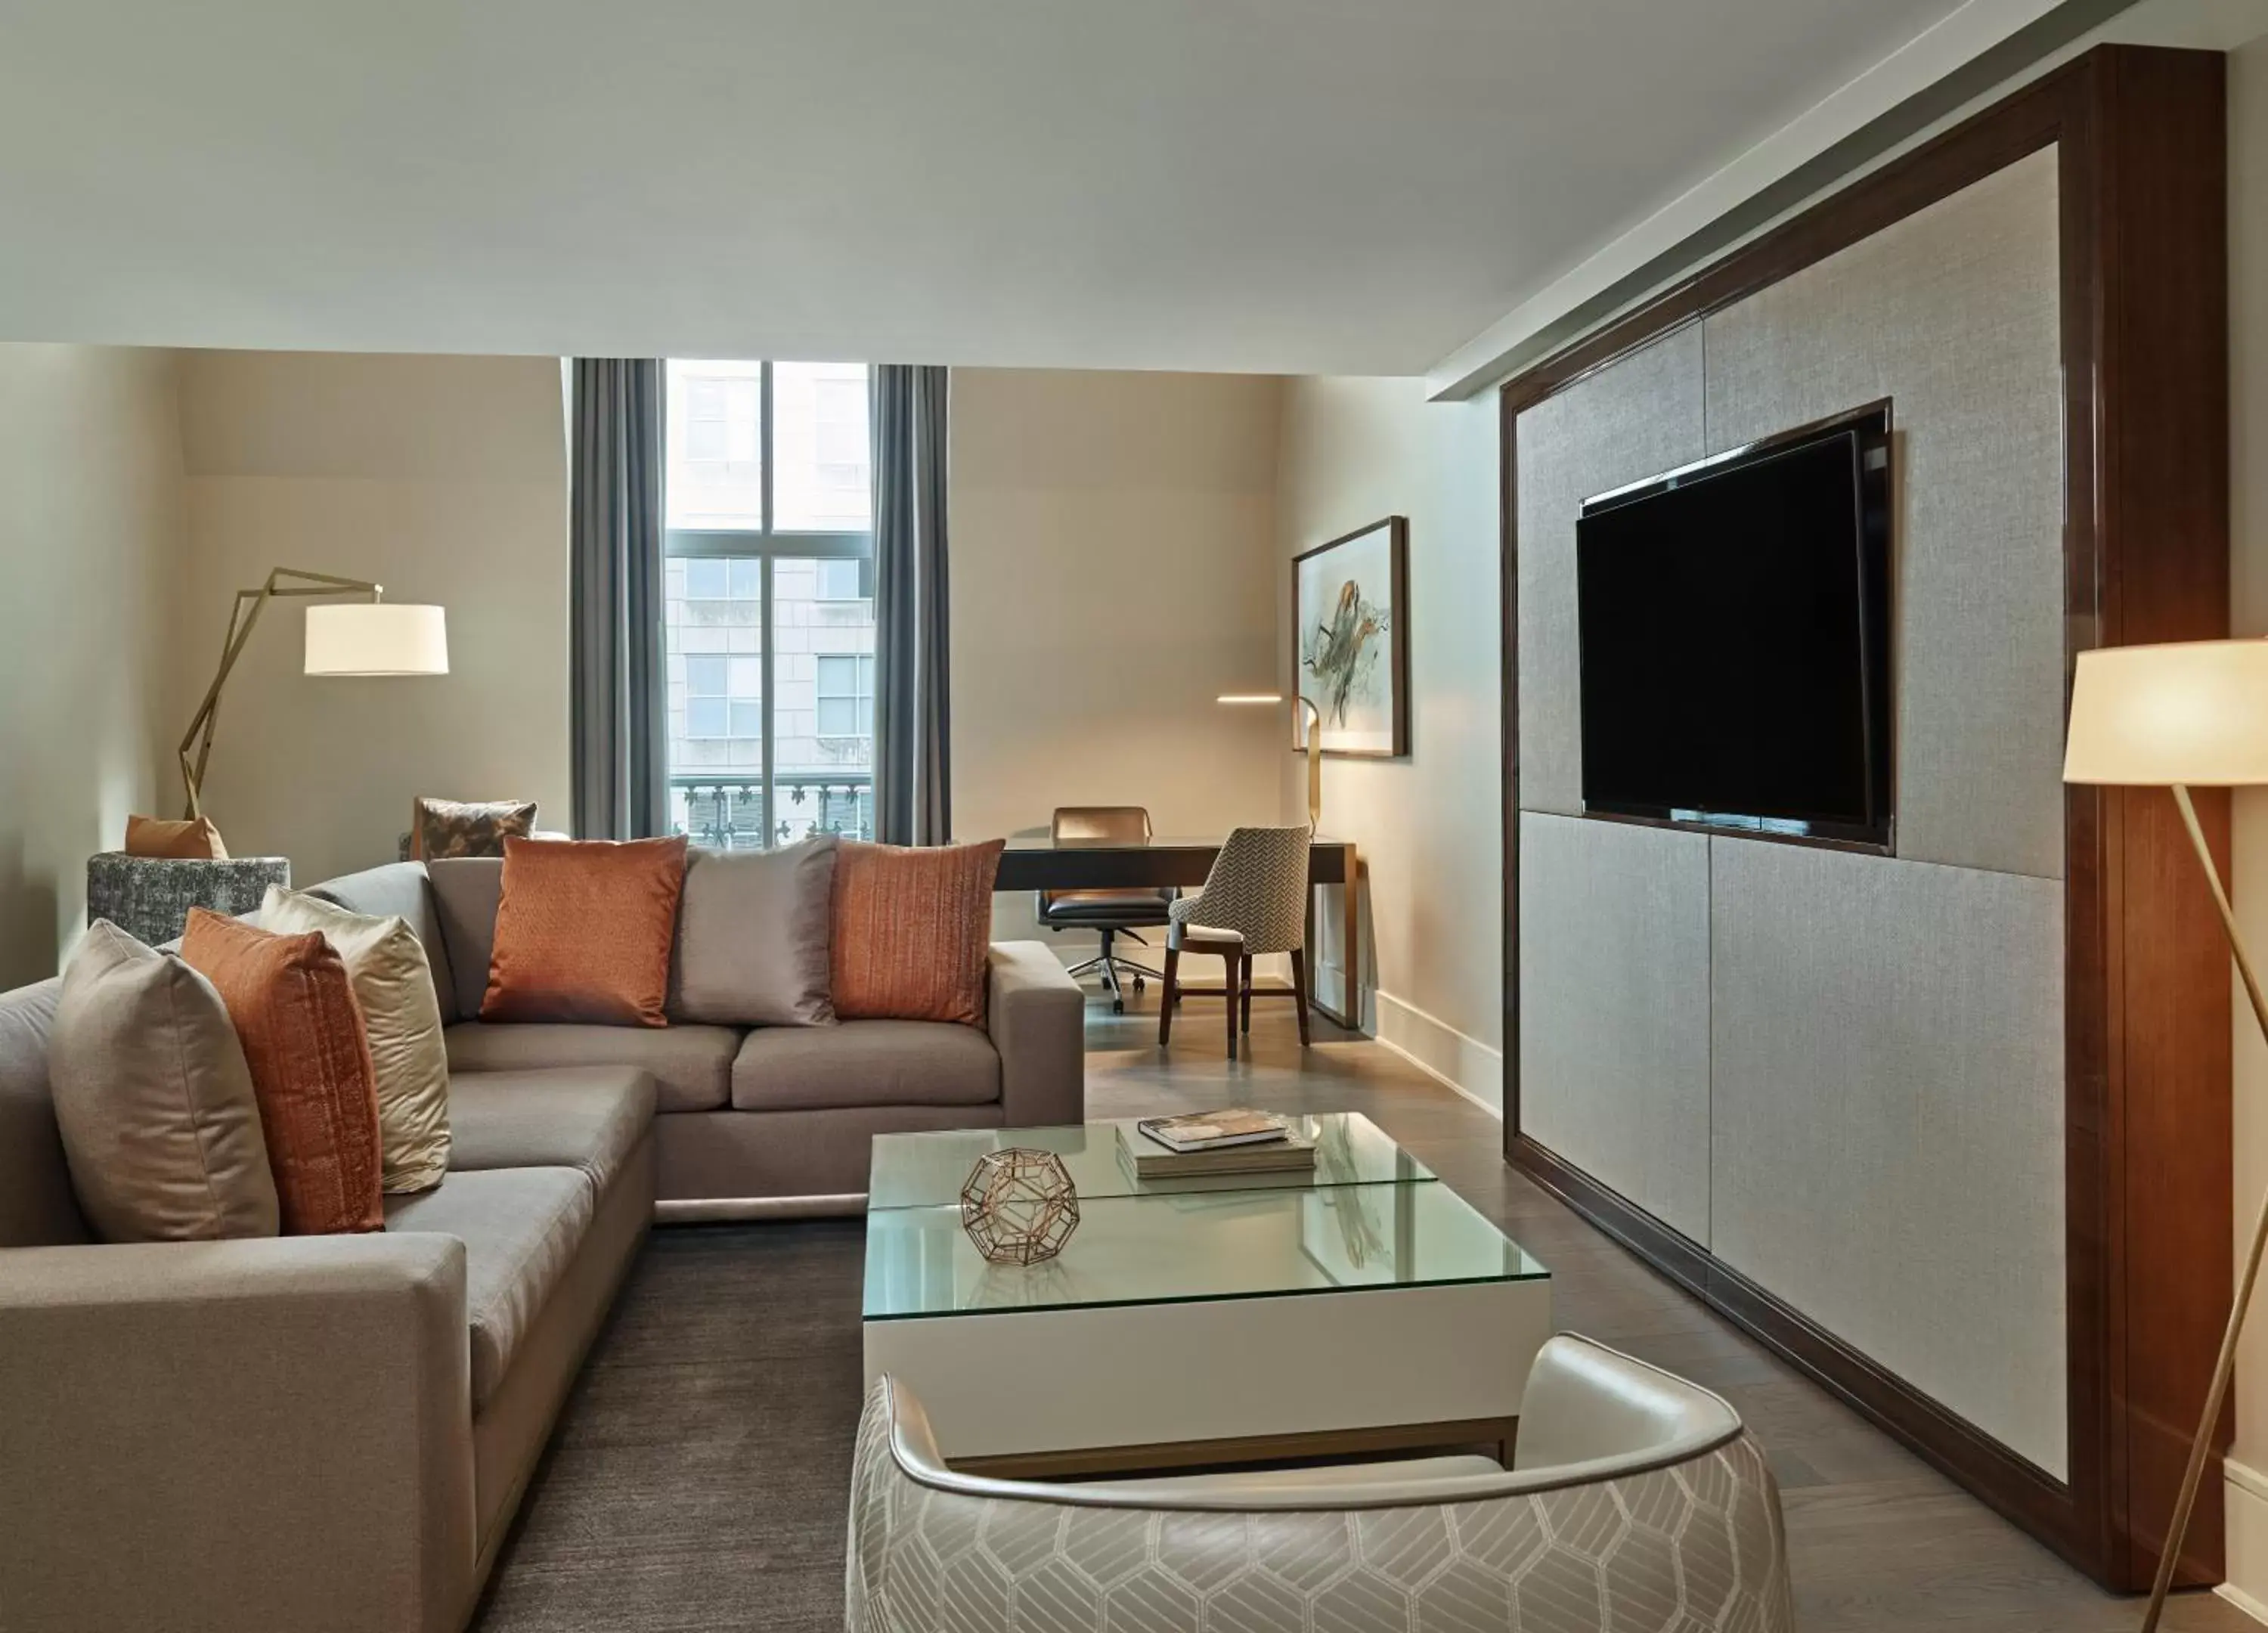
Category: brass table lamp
[1314,740]
[372,637]
[2190,714]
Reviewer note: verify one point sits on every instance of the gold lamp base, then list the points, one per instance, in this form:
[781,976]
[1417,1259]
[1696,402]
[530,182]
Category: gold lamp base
[2224,1367]
[1314,735]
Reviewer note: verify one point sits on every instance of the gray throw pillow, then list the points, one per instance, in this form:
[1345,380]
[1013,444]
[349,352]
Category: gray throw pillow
[751,937]
[154,1100]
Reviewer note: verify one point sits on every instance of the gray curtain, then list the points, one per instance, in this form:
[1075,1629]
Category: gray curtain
[913,766]
[615,599]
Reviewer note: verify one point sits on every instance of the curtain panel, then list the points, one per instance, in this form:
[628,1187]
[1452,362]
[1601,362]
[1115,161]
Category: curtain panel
[913,769]
[616,667]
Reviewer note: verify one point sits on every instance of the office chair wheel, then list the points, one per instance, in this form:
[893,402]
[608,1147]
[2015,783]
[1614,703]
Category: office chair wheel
[1118,1006]
[1138,985]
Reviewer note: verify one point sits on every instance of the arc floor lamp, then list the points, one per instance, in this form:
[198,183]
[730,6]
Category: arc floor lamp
[372,637]
[2191,714]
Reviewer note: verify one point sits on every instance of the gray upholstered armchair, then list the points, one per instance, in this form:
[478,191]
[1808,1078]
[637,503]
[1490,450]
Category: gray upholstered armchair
[1635,1500]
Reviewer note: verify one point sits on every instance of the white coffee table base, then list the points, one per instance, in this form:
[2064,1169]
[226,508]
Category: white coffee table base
[1116,1388]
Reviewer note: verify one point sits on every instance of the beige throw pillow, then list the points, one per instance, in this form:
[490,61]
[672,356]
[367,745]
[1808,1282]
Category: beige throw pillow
[751,928]
[154,1101]
[394,984]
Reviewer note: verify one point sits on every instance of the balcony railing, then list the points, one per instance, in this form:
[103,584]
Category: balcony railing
[726,811]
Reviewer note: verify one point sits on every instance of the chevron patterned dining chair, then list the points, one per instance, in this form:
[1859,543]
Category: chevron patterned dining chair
[1254,901]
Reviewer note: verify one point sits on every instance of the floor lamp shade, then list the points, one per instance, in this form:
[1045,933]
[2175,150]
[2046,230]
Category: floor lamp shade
[2195,712]
[377,638]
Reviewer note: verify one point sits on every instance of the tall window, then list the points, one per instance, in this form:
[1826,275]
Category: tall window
[770,614]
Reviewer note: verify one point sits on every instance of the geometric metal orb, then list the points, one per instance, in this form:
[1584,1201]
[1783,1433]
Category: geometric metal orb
[1019,1205]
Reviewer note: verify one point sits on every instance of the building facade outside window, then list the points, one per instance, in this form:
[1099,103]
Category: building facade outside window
[846,699]
[770,615]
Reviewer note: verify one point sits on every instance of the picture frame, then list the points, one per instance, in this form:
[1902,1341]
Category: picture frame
[1350,641]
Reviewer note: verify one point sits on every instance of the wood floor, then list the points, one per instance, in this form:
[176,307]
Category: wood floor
[1878,1540]
[697,1479]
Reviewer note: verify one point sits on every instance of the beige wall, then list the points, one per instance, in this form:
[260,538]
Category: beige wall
[444,479]
[89,516]
[1430,826]
[1112,574]
[2247,204]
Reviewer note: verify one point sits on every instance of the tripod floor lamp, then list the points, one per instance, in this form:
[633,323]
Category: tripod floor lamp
[2193,714]
[372,637]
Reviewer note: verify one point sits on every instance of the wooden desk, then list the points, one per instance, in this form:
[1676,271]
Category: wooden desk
[1043,864]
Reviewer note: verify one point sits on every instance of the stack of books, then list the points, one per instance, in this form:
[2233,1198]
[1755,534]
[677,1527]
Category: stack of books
[1233,1141]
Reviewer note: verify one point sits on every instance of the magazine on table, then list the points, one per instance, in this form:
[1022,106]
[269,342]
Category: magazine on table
[1146,1160]
[1212,1130]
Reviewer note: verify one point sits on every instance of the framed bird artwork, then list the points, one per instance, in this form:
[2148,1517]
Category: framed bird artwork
[1350,658]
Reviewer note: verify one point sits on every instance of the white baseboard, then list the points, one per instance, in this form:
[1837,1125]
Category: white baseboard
[2244,1602]
[1472,1068]
[2247,1528]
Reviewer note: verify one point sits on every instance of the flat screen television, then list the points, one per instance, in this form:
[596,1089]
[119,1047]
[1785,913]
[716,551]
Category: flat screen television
[1734,620]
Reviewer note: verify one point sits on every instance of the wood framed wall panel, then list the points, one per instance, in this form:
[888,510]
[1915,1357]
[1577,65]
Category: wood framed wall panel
[2096,1506]
[2159,193]
[2140,139]
[1508,726]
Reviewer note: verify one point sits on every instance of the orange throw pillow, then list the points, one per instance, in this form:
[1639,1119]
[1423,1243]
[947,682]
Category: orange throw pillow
[583,931]
[911,930]
[296,1016]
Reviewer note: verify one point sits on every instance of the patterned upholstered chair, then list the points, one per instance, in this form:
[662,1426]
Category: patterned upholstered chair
[1254,901]
[1635,1500]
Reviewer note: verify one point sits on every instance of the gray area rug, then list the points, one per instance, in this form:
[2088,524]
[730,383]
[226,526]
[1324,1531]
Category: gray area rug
[699,1476]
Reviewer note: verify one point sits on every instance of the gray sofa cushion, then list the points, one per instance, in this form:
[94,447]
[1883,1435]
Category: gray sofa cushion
[692,1066]
[398,890]
[37,1206]
[520,1227]
[751,937]
[586,1117]
[865,1062]
[465,891]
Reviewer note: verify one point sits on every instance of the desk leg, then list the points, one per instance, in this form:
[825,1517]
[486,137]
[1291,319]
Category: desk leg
[1348,1014]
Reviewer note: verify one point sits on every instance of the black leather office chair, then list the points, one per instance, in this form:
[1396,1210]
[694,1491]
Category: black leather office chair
[1109,913]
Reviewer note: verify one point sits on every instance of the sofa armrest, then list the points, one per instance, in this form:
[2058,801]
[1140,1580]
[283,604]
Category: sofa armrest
[1037,1016]
[266,1433]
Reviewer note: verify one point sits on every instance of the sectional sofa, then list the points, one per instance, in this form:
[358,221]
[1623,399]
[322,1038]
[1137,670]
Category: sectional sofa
[774,1119]
[334,1431]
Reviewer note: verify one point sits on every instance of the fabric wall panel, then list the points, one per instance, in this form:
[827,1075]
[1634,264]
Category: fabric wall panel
[1887,1117]
[1614,1005]
[1954,315]
[1640,416]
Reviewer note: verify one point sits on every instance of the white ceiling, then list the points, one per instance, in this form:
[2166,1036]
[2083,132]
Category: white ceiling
[1296,185]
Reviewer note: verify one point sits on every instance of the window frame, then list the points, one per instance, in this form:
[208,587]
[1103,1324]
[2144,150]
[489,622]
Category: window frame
[767,544]
[861,692]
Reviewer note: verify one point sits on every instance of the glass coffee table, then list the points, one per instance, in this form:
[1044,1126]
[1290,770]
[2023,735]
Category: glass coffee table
[1361,1308]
